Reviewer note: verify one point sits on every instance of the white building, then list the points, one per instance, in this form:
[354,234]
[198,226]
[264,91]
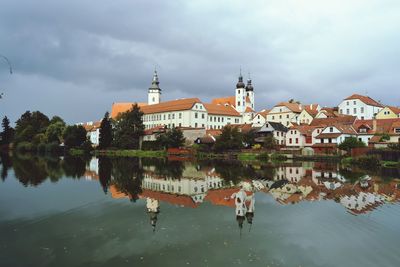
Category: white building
[363,107]
[285,113]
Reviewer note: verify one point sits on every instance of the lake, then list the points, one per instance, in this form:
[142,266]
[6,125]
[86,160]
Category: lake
[159,212]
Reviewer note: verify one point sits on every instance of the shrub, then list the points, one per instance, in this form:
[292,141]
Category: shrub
[278,157]
[263,156]
[256,147]
[25,147]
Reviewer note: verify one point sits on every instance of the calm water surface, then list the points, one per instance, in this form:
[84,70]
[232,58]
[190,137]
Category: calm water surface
[152,212]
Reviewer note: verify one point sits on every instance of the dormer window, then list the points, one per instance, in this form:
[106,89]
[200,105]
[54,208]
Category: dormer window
[397,130]
[331,129]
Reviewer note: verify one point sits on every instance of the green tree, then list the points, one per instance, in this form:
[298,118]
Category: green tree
[269,142]
[129,128]
[8,132]
[229,139]
[55,132]
[106,134]
[172,138]
[74,136]
[29,125]
[249,137]
[351,142]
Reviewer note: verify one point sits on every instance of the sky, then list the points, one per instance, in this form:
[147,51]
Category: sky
[75,58]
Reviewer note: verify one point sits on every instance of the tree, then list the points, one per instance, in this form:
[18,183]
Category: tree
[55,132]
[351,142]
[7,133]
[106,135]
[229,139]
[29,125]
[269,142]
[249,138]
[129,128]
[172,138]
[74,136]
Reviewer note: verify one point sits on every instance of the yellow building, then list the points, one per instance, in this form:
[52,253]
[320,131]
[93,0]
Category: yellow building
[388,112]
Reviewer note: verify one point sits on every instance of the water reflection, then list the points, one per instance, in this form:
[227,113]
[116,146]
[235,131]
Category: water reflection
[224,183]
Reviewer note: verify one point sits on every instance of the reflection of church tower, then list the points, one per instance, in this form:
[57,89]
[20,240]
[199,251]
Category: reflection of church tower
[154,95]
[250,209]
[153,208]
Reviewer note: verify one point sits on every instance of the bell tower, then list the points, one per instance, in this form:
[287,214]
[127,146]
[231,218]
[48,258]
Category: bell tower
[240,95]
[154,94]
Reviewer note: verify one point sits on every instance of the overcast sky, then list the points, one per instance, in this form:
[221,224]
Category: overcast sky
[76,58]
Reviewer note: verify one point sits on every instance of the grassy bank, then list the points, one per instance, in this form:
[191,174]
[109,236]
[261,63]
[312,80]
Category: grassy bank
[131,153]
[370,162]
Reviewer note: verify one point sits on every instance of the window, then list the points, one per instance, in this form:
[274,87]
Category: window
[238,103]
[222,119]
[215,119]
[280,116]
[322,140]
[203,115]
[355,110]
[173,115]
[397,130]
[331,129]
[348,111]
[330,140]
[341,111]
[195,115]
[180,124]
[164,116]
[287,116]
[180,115]
[354,102]
[347,103]
[362,109]
[290,140]
[169,116]
[210,118]
[297,140]
[219,119]
[195,125]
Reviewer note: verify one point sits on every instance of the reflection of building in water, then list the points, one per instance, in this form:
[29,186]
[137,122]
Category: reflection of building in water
[361,202]
[196,188]
[153,208]
[244,206]
[92,170]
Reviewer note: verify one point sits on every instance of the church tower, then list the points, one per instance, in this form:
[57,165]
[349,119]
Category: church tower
[240,95]
[250,93]
[154,94]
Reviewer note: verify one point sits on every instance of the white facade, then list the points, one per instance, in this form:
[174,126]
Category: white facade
[294,138]
[283,115]
[154,94]
[358,108]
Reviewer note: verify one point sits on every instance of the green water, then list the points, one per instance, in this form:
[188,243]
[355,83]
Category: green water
[149,212]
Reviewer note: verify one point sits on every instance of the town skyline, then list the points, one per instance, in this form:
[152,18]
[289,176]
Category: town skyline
[293,51]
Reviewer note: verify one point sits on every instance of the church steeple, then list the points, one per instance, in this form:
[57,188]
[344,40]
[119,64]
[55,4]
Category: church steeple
[240,83]
[154,95]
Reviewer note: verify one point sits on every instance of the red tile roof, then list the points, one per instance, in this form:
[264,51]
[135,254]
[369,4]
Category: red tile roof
[297,108]
[118,108]
[365,99]
[230,100]
[214,109]
[323,122]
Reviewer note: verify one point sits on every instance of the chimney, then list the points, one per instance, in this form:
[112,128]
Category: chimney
[374,125]
[311,107]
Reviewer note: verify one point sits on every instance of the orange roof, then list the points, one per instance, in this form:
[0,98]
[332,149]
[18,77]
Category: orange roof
[263,112]
[221,110]
[312,109]
[156,129]
[395,110]
[330,112]
[118,108]
[323,122]
[173,105]
[304,129]
[230,100]
[181,200]
[292,106]
[91,126]
[365,99]
[249,109]
[222,197]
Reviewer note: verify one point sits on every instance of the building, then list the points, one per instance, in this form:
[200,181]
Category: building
[363,107]
[276,129]
[308,113]
[388,112]
[260,118]
[92,131]
[285,113]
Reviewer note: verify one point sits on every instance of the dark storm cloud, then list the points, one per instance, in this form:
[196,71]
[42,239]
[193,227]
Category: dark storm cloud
[75,58]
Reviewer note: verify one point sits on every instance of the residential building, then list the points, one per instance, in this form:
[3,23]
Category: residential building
[285,113]
[92,131]
[363,107]
[388,112]
[276,129]
[260,118]
[308,113]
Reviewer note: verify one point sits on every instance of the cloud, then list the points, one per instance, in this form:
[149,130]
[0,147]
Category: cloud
[88,54]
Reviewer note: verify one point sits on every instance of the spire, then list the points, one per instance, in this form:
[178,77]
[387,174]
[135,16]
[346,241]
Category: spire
[155,82]
[249,86]
[240,83]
